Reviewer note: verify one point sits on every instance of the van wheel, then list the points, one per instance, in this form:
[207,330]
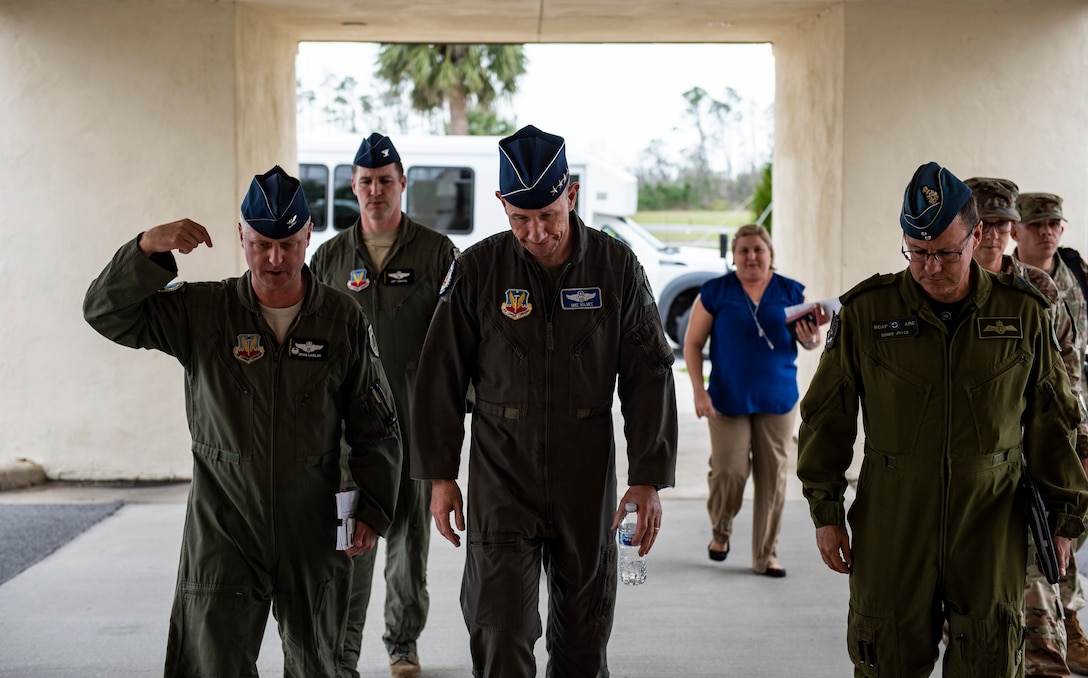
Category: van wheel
[679,314]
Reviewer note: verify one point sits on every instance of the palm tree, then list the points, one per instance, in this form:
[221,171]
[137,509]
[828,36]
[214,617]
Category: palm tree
[467,76]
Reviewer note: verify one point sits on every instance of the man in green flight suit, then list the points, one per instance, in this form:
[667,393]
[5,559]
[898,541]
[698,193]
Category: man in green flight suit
[959,382]
[392,267]
[278,368]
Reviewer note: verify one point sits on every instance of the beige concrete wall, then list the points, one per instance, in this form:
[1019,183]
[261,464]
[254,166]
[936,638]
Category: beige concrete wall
[121,114]
[808,158]
[985,91]
[117,116]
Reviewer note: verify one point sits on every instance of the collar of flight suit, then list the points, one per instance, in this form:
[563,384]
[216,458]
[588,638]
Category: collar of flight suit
[578,238]
[315,293]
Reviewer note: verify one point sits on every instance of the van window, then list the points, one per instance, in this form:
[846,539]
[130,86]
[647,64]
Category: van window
[315,184]
[345,206]
[441,197]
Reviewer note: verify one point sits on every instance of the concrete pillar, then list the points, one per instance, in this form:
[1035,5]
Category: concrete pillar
[118,116]
[867,92]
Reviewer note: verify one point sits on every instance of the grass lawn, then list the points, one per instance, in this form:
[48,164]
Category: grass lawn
[720,220]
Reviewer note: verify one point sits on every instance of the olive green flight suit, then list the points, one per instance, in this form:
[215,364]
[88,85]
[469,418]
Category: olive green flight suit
[399,302]
[546,357]
[266,422]
[938,531]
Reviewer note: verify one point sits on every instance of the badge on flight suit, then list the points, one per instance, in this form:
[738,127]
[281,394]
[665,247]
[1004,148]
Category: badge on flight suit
[581,297]
[400,276]
[446,281]
[358,280]
[517,304]
[1000,328]
[249,348]
[307,349]
[895,328]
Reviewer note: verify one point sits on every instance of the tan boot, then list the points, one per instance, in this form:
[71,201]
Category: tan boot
[1076,654]
[404,665]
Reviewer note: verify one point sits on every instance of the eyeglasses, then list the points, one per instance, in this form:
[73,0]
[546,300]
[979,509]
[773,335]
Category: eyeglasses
[940,256]
[1001,227]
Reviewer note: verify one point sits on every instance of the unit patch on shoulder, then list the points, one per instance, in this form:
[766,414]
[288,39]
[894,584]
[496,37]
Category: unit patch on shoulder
[399,276]
[358,280]
[832,332]
[580,297]
[446,281]
[1000,328]
[372,342]
[173,287]
[895,328]
[307,349]
[249,348]
[516,306]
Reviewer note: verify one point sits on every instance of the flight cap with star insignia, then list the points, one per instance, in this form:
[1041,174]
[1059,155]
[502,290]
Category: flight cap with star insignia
[275,205]
[931,202]
[533,170]
[376,151]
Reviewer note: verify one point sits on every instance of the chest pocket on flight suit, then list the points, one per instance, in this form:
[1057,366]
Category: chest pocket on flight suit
[896,400]
[503,369]
[1004,385]
[225,434]
[593,365]
[316,442]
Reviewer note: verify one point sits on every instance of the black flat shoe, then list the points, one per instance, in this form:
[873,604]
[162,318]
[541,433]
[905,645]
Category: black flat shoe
[776,572]
[717,556]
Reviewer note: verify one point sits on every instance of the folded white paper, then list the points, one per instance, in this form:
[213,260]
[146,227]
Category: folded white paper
[347,502]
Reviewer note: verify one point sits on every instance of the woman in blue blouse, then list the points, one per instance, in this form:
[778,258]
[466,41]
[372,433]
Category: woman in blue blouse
[750,402]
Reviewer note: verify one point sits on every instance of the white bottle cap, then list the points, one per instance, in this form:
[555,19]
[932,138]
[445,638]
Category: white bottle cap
[630,507]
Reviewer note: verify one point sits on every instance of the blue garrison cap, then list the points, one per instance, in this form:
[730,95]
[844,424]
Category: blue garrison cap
[532,168]
[275,205]
[931,202]
[376,151]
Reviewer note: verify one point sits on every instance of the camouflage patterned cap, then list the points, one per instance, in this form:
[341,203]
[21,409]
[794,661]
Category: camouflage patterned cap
[996,198]
[1039,207]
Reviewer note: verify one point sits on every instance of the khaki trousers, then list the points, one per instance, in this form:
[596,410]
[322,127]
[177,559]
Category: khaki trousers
[753,444]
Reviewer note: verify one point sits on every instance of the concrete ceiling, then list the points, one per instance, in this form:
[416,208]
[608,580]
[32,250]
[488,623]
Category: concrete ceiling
[544,21]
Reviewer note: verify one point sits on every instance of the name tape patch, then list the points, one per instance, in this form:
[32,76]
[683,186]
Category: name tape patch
[307,349]
[580,297]
[895,328]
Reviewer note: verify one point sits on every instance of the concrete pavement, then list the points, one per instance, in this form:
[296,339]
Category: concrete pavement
[99,605]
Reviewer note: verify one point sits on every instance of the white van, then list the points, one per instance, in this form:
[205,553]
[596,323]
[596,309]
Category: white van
[451,182]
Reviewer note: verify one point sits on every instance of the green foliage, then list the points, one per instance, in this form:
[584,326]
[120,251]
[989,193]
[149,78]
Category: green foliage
[463,76]
[487,123]
[761,198]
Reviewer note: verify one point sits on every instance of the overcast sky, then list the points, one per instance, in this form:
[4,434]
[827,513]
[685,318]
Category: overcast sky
[613,100]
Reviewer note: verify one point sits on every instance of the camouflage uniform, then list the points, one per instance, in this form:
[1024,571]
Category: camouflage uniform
[1046,641]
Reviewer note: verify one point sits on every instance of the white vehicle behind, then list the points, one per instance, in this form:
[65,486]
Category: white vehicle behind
[451,182]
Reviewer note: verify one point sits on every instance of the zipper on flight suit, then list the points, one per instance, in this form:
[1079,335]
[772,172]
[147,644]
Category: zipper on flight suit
[549,350]
[277,357]
[946,485]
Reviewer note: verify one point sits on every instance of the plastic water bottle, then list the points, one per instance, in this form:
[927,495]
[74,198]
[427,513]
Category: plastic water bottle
[632,565]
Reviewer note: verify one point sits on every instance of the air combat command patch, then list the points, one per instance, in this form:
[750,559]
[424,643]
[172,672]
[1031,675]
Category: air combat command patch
[516,306]
[358,280]
[249,348]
